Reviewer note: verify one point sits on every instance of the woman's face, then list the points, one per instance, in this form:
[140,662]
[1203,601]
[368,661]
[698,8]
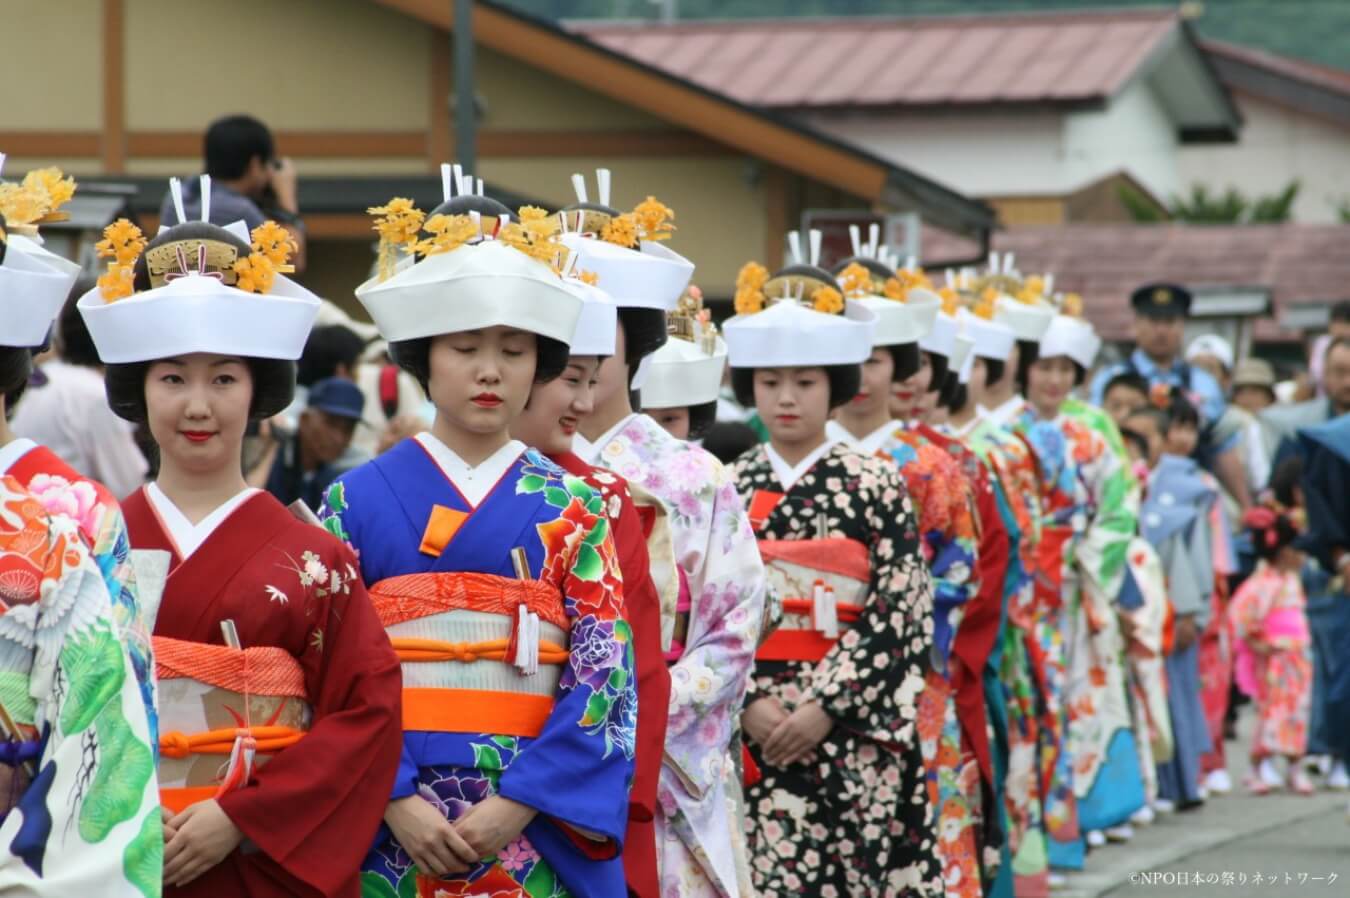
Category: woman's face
[874,396]
[481,379]
[793,403]
[197,408]
[1049,382]
[674,420]
[555,408]
[907,396]
[1182,438]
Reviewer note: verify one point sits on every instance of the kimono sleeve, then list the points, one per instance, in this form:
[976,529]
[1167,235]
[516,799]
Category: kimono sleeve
[1112,521]
[708,683]
[579,770]
[313,810]
[1249,607]
[871,678]
[89,822]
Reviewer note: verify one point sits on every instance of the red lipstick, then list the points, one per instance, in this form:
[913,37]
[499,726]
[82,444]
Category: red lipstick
[568,426]
[197,436]
[487,400]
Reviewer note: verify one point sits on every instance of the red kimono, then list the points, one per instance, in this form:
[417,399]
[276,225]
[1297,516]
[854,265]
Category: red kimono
[310,813]
[642,610]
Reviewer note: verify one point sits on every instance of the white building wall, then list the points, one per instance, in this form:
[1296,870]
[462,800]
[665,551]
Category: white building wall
[1278,145]
[986,154]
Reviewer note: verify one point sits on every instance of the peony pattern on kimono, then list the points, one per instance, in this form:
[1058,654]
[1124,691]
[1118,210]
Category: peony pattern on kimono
[89,818]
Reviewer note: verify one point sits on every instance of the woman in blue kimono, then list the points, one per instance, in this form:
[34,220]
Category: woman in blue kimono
[495,576]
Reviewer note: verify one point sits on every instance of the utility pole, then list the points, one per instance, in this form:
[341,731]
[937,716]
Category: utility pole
[466,120]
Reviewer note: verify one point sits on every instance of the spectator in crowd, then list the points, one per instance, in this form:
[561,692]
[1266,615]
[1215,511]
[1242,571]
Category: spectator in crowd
[1213,354]
[249,183]
[67,410]
[332,350]
[1254,385]
[1287,420]
[301,465]
[1160,312]
[1337,327]
[1123,394]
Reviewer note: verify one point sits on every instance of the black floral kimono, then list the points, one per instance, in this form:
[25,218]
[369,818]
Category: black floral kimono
[856,820]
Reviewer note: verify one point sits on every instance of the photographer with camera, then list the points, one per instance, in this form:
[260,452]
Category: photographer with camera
[249,182]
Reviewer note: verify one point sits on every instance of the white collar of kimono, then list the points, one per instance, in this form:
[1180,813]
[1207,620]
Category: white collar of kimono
[870,444]
[590,452]
[13,451]
[1004,413]
[474,482]
[186,536]
[787,474]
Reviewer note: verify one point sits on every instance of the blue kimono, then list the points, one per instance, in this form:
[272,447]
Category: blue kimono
[1175,519]
[479,718]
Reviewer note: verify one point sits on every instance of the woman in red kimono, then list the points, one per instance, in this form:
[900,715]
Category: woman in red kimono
[279,692]
[549,423]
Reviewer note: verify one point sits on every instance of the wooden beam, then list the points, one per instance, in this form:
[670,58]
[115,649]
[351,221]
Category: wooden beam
[662,95]
[50,144]
[439,139]
[114,86]
[498,144]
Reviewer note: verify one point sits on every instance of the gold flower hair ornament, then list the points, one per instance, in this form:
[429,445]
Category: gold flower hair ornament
[122,244]
[535,235]
[398,223]
[36,200]
[272,246]
[693,323]
[1072,305]
[856,280]
[650,220]
[827,299]
[750,283]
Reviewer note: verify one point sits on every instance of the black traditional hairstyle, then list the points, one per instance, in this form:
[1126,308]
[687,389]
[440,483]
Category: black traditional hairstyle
[994,369]
[273,379]
[905,361]
[954,394]
[644,332]
[327,349]
[16,362]
[729,440]
[845,381]
[1028,351]
[701,417]
[77,347]
[414,356]
[940,366]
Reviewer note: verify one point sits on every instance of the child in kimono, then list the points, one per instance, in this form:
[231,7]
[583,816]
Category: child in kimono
[35,285]
[549,424]
[494,573]
[1175,519]
[717,578]
[278,690]
[1273,664]
[831,718]
[79,808]
[1090,517]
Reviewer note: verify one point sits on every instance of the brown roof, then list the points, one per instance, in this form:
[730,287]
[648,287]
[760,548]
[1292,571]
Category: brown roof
[1034,58]
[1299,263]
[1298,69]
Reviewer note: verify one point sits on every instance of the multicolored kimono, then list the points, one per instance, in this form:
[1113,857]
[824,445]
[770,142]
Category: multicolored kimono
[856,819]
[1275,659]
[517,664]
[1175,518]
[1144,602]
[642,611]
[293,731]
[78,800]
[1089,514]
[945,507]
[722,578]
[1016,697]
[63,490]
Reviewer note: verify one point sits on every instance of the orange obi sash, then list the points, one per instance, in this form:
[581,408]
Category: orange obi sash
[835,573]
[445,690]
[242,704]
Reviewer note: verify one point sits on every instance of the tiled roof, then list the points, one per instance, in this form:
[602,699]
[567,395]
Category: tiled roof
[1299,263]
[1034,58]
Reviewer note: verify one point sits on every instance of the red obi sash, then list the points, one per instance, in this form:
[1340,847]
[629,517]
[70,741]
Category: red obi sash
[823,583]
